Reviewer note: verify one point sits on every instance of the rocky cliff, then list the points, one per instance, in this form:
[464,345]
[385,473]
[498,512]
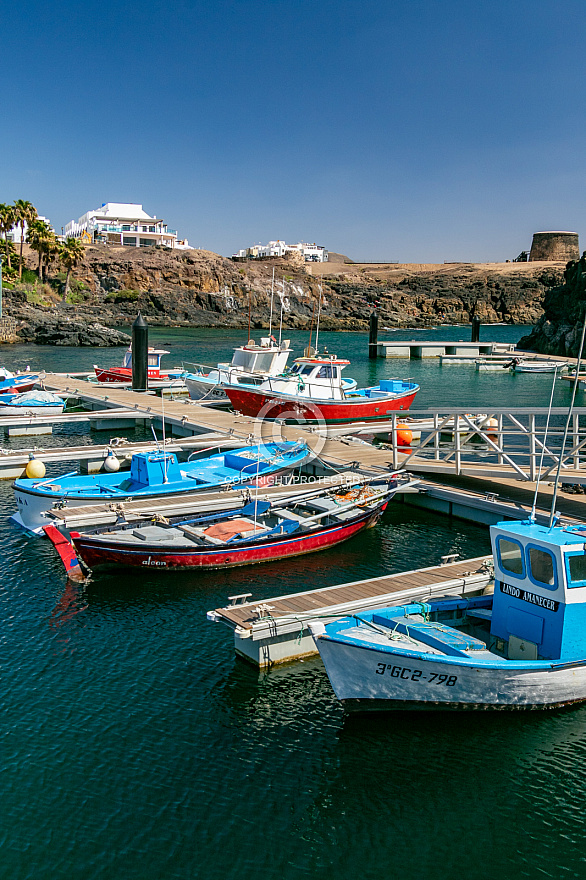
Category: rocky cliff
[200,288]
[559,329]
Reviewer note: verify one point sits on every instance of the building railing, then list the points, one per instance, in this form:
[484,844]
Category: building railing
[134,230]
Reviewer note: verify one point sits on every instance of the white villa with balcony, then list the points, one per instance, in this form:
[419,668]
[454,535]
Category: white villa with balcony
[311,253]
[123,224]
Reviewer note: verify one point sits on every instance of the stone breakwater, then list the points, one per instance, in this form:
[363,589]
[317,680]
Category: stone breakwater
[202,289]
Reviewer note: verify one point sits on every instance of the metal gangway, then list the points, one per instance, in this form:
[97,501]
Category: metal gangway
[506,442]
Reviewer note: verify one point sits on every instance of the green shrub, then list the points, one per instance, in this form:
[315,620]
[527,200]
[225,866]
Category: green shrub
[29,276]
[118,296]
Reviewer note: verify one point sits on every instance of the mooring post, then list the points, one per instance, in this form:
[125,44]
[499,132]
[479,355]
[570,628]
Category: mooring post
[373,338]
[140,354]
[475,329]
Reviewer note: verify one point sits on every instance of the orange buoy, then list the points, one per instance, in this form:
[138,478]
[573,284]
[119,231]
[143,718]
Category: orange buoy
[404,435]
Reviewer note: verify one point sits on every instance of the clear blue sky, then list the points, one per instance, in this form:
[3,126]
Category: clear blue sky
[415,131]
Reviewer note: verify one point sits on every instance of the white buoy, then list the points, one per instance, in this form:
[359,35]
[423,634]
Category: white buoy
[111,463]
[35,469]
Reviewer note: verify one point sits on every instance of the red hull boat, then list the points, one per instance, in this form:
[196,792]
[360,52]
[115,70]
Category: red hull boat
[94,553]
[352,409]
[257,532]
[124,373]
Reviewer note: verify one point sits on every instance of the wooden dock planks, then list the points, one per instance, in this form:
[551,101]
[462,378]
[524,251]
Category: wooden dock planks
[247,615]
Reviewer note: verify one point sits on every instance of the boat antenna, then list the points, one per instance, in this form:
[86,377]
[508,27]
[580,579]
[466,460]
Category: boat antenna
[272,300]
[532,514]
[561,458]
[318,314]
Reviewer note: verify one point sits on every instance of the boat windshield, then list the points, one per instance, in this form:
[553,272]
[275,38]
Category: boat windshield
[328,372]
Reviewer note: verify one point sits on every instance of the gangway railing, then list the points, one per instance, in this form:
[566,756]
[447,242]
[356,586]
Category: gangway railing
[509,440]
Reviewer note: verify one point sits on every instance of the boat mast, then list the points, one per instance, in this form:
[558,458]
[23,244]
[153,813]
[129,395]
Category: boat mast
[311,330]
[249,315]
[272,300]
[561,458]
[281,319]
[318,314]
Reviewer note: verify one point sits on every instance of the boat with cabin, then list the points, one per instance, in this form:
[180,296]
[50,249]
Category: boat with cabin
[124,373]
[152,475]
[251,364]
[258,532]
[314,391]
[521,647]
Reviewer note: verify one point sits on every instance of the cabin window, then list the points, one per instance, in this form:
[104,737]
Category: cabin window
[511,557]
[576,565]
[327,373]
[307,370]
[295,368]
[541,566]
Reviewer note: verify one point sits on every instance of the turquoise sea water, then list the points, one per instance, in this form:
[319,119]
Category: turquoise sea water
[136,746]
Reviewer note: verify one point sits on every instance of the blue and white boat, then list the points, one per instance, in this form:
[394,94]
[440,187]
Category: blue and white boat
[152,475]
[38,403]
[523,647]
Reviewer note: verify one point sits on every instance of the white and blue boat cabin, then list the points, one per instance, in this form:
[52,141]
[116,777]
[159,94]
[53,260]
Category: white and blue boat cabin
[524,646]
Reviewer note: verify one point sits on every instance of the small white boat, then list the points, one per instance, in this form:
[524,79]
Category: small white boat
[520,365]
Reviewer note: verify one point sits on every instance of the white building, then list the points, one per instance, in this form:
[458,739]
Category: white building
[18,233]
[311,253]
[123,224]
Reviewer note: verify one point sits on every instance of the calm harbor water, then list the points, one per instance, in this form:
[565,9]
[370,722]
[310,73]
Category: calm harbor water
[136,746]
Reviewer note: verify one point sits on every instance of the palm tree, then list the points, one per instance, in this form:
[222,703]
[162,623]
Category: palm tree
[40,236]
[6,224]
[25,212]
[71,254]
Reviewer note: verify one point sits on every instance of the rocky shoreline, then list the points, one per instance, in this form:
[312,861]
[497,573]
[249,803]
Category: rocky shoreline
[201,289]
[559,329]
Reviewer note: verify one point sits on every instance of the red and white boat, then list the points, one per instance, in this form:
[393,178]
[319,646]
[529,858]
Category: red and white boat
[313,391]
[17,384]
[124,373]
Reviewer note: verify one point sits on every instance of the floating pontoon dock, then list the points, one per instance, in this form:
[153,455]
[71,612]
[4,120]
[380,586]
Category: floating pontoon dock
[416,349]
[276,630]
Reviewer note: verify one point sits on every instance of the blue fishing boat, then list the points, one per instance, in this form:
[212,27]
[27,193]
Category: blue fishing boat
[152,475]
[522,647]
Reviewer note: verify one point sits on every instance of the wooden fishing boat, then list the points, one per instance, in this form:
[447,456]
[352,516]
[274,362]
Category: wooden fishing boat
[313,391]
[152,475]
[256,533]
[124,373]
[523,647]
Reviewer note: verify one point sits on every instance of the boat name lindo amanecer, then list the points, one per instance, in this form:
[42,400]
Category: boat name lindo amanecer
[518,593]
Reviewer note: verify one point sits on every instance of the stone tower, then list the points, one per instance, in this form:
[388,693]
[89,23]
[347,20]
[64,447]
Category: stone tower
[562,246]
